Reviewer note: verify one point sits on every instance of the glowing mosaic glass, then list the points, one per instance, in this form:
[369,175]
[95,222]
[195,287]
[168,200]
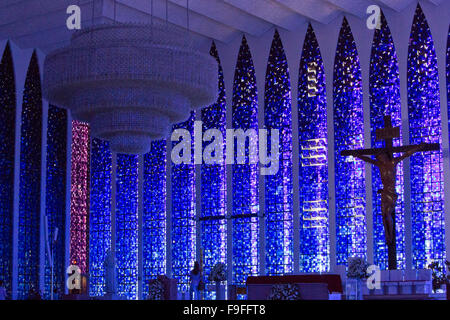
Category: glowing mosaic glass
[7,146]
[55,199]
[183,213]
[448,79]
[100,214]
[313,155]
[385,100]
[427,177]
[127,225]
[245,176]
[348,134]
[30,182]
[79,195]
[213,182]
[154,214]
[279,187]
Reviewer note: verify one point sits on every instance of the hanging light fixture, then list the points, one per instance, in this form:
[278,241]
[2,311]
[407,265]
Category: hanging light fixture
[130,82]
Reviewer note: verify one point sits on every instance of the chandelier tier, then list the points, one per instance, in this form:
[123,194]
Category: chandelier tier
[130,82]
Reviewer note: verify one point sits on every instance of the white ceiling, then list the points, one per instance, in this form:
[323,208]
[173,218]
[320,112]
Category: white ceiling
[42,23]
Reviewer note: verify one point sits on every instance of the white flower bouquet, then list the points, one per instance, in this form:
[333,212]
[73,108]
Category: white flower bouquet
[218,273]
[357,268]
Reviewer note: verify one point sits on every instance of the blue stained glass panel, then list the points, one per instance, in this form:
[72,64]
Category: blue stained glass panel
[427,176]
[385,100]
[213,186]
[55,208]
[154,214]
[279,187]
[245,176]
[7,147]
[183,213]
[348,134]
[127,225]
[100,214]
[313,155]
[30,182]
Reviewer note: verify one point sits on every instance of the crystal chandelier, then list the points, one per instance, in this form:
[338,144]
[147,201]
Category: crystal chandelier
[130,82]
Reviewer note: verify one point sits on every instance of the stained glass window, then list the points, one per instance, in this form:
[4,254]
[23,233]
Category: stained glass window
[448,80]
[385,100]
[245,176]
[55,208]
[279,187]
[313,165]
[348,134]
[7,146]
[30,182]
[100,214]
[213,185]
[127,225]
[79,196]
[183,213]
[427,178]
[154,214]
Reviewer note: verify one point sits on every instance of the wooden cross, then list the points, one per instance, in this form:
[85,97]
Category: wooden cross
[387,166]
[388,133]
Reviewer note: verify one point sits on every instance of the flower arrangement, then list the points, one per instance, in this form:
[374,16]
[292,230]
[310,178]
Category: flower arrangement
[357,268]
[156,289]
[284,292]
[438,273]
[218,272]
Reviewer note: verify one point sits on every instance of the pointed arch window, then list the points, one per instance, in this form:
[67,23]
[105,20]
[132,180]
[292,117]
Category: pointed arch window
[7,157]
[278,186]
[245,176]
[213,184]
[30,182]
[313,155]
[348,134]
[384,86]
[427,177]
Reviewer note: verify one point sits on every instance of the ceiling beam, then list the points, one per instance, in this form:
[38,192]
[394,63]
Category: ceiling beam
[317,10]
[278,15]
[140,12]
[22,11]
[38,23]
[436,2]
[7,3]
[397,5]
[357,8]
[41,40]
[227,15]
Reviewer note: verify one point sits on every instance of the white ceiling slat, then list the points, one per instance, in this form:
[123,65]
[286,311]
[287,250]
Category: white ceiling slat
[21,11]
[177,16]
[436,2]
[59,38]
[397,5]
[228,15]
[314,9]
[35,23]
[270,11]
[357,8]
[7,3]
[42,23]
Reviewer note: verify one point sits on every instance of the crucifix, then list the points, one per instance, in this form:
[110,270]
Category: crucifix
[387,165]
